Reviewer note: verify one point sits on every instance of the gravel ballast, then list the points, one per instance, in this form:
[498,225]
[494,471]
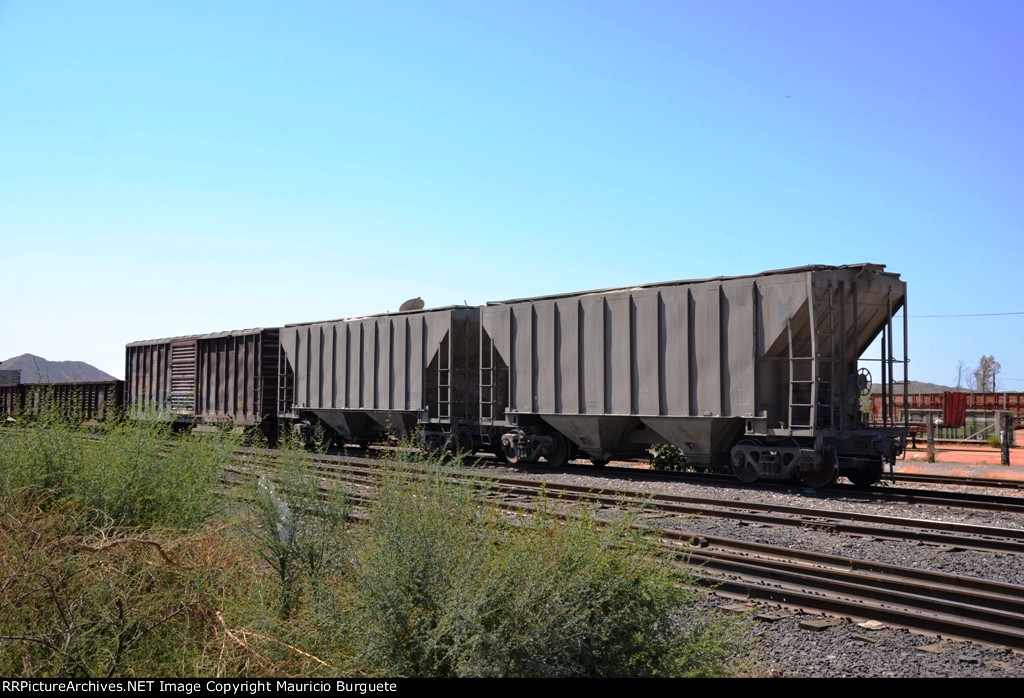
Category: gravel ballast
[796,644]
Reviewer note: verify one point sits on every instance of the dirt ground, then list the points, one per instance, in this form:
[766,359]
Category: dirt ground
[977,460]
[971,455]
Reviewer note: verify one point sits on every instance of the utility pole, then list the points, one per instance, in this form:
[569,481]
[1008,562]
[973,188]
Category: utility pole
[930,456]
[1006,423]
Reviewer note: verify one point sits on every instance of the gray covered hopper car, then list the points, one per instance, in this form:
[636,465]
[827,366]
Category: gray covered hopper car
[225,377]
[401,373]
[757,372]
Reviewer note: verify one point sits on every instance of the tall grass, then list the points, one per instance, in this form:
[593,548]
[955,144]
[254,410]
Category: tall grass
[137,473]
[78,601]
[113,561]
[298,528]
[444,586]
[42,453]
[119,561]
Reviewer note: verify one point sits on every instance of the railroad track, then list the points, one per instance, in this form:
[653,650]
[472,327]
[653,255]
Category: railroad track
[361,472]
[959,481]
[950,605]
[952,534]
[355,471]
[964,500]
[888,486]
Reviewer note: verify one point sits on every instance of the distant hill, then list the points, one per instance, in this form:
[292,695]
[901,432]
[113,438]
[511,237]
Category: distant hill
[36,369]
[919,387]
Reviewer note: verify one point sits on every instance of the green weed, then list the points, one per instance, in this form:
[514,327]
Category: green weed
[119,561]
[668,457]
[81,601]
[443,586]
[138,473]
[297,527]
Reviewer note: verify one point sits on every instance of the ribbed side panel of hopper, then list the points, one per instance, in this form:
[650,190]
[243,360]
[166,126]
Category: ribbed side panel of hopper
[694,363]
[366,376]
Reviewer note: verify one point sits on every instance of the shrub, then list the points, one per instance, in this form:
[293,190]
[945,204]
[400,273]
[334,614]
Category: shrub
[667,457]
[297,528]
[136,474]
[443,586]
[43,455]
[78,601]
[435,583]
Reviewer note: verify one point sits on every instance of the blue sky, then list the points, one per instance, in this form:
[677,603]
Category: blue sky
[188,167]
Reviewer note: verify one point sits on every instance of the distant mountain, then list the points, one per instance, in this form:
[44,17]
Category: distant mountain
[919,387]
[36,369]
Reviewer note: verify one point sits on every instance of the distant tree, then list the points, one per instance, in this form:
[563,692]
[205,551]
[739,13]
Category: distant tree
[961,374]
[984,377]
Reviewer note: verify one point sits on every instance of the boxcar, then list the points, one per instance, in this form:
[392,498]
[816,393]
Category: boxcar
[400,373]
[226,377]
[10,392]
[89,401]
[759,373]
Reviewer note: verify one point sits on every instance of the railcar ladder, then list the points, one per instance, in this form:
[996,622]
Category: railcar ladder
[486,378]
[285,385]
[493,381]
[444,378]
[801,385]
[827,366]
[812,379]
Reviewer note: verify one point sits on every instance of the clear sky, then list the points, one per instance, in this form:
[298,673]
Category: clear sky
[174,168]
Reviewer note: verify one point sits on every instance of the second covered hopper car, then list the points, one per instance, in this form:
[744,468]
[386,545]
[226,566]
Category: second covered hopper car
[400,373]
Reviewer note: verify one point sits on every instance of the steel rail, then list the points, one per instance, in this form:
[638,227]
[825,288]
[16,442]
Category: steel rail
[949,605]
[922,600]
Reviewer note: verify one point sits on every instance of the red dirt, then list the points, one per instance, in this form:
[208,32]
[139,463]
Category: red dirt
[969,455]
[965,461]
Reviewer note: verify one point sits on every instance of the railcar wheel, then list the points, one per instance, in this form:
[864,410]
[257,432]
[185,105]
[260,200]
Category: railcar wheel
[825,475]
[432,443]
[867,474]
[509,449]
[819,479]
[745,456]
[599,462]
[559,454]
